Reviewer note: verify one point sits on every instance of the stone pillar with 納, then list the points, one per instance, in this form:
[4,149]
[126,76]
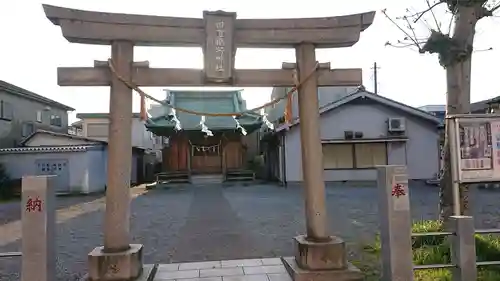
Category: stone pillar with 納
[38,229]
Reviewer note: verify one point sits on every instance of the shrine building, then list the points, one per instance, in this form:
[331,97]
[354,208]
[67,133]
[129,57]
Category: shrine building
[213,146]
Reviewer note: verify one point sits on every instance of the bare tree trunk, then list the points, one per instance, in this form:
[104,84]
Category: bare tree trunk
[458,82]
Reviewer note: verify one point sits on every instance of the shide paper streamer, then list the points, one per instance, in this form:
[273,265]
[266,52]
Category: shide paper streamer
[204,127]
[239,127]
[265,120]
[176,121]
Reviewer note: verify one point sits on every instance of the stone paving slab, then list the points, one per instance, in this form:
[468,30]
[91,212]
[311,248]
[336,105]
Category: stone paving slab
[271,269]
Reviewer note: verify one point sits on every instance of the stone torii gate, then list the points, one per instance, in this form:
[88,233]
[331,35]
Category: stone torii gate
[318,255]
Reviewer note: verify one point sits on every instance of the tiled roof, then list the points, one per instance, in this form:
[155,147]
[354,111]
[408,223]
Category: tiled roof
[211,101]
[376,98]
[25,140]
[90,142]
[15,90]
[46,149]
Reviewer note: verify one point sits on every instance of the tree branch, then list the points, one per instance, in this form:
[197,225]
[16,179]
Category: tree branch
[438,25]
[421,14]
[408,36]
[494,9]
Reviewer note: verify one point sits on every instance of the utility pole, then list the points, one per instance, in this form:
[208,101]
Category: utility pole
[375,78]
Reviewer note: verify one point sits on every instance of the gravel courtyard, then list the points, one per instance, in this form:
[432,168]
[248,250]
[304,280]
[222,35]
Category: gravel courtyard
[213,223]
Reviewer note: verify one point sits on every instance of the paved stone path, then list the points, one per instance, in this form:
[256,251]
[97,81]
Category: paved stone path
[212,223]
[270,269]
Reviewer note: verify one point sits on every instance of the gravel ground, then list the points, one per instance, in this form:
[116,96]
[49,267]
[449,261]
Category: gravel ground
[213,223]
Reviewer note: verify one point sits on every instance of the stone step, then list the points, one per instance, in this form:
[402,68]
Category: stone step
[186,180]
[241,178]
[206,179]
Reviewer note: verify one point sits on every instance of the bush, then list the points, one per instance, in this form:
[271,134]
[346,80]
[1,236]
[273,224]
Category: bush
[6,190]
[436,250]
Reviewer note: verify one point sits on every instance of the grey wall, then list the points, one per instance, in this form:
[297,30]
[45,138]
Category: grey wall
[25,110]
[18,165]
[96,170]
[420,152]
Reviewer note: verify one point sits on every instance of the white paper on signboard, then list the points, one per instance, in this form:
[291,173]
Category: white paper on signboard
[479,150]
[495,141]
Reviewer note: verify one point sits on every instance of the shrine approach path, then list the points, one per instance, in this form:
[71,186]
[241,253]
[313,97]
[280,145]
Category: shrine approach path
[212,223]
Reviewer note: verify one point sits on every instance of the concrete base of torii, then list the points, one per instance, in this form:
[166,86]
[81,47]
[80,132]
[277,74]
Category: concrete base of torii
[321,261]
[119,266]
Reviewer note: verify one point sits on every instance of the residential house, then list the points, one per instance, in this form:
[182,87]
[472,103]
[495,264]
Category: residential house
[438,110]
[359,130]
[96,126]
[22,112]
[479,107]
[79,163]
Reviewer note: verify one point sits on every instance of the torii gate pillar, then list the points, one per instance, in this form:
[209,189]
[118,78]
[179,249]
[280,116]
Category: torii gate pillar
[319,256]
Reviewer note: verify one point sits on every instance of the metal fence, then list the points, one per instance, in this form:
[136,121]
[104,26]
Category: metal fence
[463,254]
[10,254]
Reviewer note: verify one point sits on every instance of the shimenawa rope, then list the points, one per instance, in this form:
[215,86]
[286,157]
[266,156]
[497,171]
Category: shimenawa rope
[194,112]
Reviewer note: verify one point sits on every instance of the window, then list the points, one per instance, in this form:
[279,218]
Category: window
[338,156]
[97,130]
[6,111]
[369,155]
[354,156]
[55,120]
[28,129]
[39,116]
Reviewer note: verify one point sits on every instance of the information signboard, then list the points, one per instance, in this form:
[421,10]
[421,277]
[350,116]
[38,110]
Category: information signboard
[477,147]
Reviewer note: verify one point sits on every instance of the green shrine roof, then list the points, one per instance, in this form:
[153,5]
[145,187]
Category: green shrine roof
[204,101]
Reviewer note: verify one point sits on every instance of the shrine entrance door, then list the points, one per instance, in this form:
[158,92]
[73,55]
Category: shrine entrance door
[206,156]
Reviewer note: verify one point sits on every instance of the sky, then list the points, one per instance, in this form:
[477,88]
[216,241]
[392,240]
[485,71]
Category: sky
[32,48]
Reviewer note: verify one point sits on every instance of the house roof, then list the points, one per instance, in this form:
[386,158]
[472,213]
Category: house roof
[90,142]
[18,91]
[44,132]
[433,107]
[99,115]
[205,101]
[475,107]
[48,149]
[482,106]
[362,94]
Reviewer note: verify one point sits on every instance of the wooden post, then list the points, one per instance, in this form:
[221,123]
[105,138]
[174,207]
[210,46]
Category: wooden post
[38,229]
[312,153]
[117,217]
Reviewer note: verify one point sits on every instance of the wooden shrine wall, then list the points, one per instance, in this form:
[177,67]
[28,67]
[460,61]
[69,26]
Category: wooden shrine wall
[175,157]
[231,154]
[206,154]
